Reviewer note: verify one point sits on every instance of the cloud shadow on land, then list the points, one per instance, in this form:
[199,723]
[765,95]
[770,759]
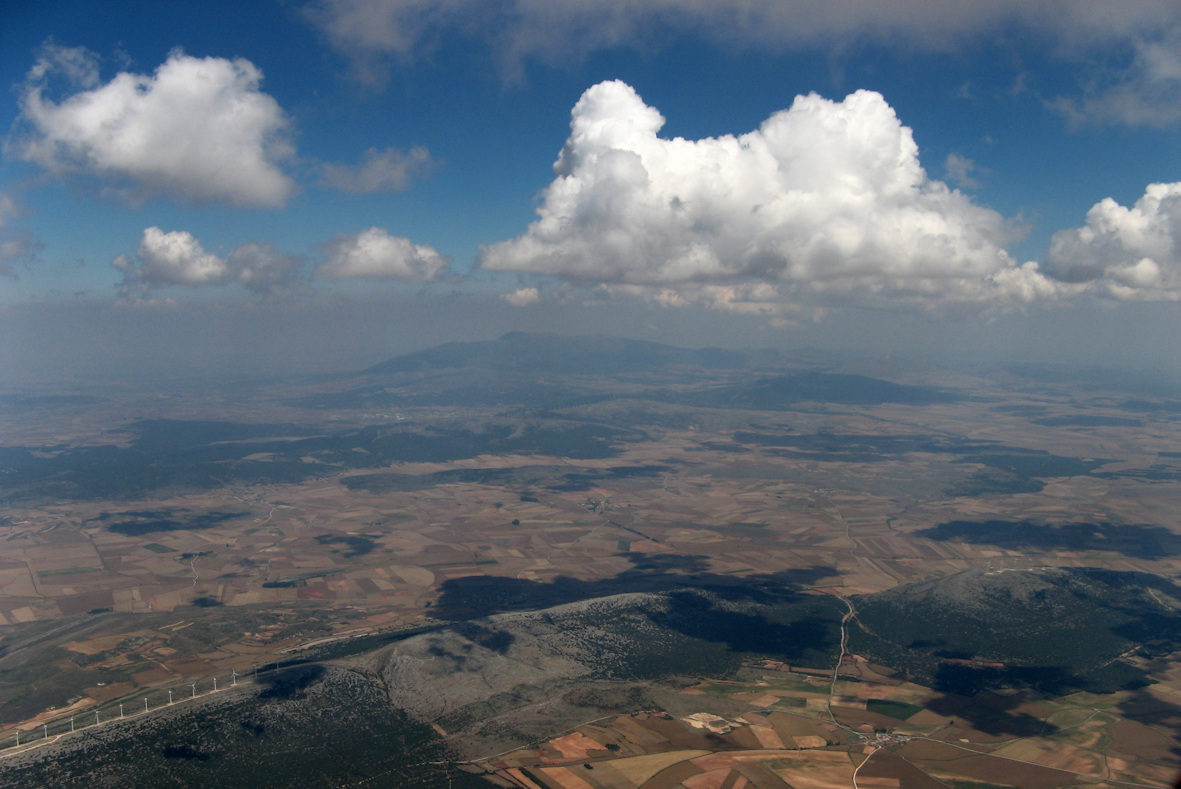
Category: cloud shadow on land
[707,621]
[968,699]
[1140,541]
[979,636]
[141,522]
[290,683]
[986,712]
[699,617]
[479,596]
[357,544]
[1150,710]
[498,641]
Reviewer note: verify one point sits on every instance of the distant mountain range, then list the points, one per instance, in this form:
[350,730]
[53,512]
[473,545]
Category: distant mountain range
[556,353]
[529,369]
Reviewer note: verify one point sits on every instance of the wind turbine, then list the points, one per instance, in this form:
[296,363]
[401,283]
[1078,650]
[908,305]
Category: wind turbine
[170,697]
[96,718]
[215,684]
[120,710]
[145,703]
[45,727]
[194,690]
[234,676]
[71,724]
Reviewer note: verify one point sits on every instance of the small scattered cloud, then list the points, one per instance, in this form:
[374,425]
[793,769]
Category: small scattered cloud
[1146,92]
[959,171]
[134,303]
[390,170]
[15,245]
[373,32]
[553,32]
[522,297]
[823,198]
[758,299]
[1125,253]
[262,268]
[375,254]
[198,129]
[177,258]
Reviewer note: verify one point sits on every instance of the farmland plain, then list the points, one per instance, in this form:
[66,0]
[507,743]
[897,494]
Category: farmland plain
[893,558]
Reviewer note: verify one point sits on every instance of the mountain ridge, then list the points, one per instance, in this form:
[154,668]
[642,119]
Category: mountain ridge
[558,353]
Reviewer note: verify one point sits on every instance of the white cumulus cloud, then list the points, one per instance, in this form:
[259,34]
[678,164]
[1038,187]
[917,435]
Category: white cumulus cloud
[198,129]
[825,197]
[1127,253]
[177,258]
[375,254]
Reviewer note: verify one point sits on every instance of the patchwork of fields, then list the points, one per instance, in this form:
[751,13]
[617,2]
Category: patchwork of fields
[991,539]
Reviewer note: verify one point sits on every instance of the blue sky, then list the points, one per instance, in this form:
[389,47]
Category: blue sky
[976,171]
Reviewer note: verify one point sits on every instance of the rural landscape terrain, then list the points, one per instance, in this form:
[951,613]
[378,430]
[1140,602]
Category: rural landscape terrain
[567,562]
